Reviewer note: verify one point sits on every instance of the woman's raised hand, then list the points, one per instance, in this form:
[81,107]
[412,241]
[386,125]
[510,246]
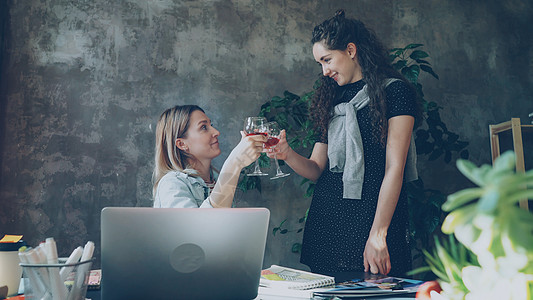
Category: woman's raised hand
[248,150]
[282,148]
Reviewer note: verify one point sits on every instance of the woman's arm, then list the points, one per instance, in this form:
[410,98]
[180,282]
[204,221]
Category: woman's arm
[376,255]
[245,153]
[310,168]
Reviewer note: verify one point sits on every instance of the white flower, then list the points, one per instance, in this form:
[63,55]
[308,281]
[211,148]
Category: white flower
[487,284]
[436,296]
[450,292]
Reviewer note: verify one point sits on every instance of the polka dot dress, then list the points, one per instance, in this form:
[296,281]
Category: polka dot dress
[337,229]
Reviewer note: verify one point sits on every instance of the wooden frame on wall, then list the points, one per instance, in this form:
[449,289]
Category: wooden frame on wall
[516,129]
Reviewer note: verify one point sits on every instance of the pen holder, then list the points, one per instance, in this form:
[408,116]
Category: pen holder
[56,281]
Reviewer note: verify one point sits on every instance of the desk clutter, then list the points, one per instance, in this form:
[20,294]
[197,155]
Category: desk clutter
[285,283]
[48,277]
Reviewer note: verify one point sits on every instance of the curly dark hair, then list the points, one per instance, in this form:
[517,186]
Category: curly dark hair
[336,33]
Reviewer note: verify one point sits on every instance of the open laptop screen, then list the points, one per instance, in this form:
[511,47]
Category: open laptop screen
[182,253]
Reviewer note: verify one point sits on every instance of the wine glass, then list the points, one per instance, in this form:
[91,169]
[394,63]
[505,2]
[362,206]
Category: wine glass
[274,132]
[254,126]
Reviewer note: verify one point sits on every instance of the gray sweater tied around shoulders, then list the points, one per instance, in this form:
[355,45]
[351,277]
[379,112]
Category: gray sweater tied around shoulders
[345,146]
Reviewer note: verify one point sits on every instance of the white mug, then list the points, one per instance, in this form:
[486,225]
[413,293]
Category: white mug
[10,270]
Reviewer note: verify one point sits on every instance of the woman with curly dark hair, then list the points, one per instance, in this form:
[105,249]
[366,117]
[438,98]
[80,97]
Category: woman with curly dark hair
[364,112]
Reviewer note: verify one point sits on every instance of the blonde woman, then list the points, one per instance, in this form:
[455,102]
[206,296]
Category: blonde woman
[186,143]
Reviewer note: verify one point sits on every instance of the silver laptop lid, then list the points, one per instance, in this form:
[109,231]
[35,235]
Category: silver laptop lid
[182,253]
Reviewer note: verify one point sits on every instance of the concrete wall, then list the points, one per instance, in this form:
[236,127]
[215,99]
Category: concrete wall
[83,83]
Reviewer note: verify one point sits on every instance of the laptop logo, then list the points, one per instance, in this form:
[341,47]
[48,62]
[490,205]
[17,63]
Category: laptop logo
[187,258]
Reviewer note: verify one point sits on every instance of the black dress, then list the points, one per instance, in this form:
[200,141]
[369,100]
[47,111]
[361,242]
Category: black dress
[336,230]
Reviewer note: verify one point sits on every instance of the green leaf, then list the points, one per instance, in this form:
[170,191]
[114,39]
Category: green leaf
[419,270]
[399,64]
[435,264]
[429,70]
[520,229]
[274,230]
[422,61]
[457,218]
[411,73]
[450,267]
[468,168]
[516,196]
[310,190]
[412,46]
[290,95]
[506,161]
[489,201]
[436,153]
[296,248]
[433,106]
[417,54]
[461,198]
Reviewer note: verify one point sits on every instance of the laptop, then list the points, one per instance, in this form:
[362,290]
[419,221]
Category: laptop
[182,253]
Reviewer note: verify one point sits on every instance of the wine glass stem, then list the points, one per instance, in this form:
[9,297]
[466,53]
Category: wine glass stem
[278,170]
[257,169]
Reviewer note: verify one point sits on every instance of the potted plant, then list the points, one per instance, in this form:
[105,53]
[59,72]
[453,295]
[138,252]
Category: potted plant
[492,256]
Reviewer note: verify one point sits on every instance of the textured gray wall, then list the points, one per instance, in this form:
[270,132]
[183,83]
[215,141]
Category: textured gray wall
[83,83]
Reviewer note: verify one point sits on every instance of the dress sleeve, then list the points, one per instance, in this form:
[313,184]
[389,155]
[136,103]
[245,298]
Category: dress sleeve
[175,192]
[401,100]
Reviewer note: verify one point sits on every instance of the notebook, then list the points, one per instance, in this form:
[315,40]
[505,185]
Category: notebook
[283,277]
[182,253]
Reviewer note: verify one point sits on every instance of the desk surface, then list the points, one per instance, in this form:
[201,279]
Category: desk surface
[339,277]
[95,295]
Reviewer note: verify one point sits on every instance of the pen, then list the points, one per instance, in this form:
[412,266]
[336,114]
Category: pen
[36,282]
[73,258]
[82,270]
[59,291]
[36,256]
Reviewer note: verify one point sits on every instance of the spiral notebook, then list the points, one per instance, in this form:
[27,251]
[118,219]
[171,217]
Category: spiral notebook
[283,277]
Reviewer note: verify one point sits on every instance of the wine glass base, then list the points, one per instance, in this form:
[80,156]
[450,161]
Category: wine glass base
[257,174]
[280,175]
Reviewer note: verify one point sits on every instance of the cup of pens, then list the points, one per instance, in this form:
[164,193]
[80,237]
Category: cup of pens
[50,278]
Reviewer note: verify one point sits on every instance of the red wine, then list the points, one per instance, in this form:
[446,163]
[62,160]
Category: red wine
[272,141]
[257,133]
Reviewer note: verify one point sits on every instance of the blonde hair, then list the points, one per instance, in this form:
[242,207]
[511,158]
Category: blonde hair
[173,124]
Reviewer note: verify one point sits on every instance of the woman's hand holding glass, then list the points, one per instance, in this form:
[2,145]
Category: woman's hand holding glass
[255,126]
[282,149]
[274,136]
[248,150]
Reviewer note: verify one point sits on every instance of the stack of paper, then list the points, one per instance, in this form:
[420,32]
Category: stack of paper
[381,286]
